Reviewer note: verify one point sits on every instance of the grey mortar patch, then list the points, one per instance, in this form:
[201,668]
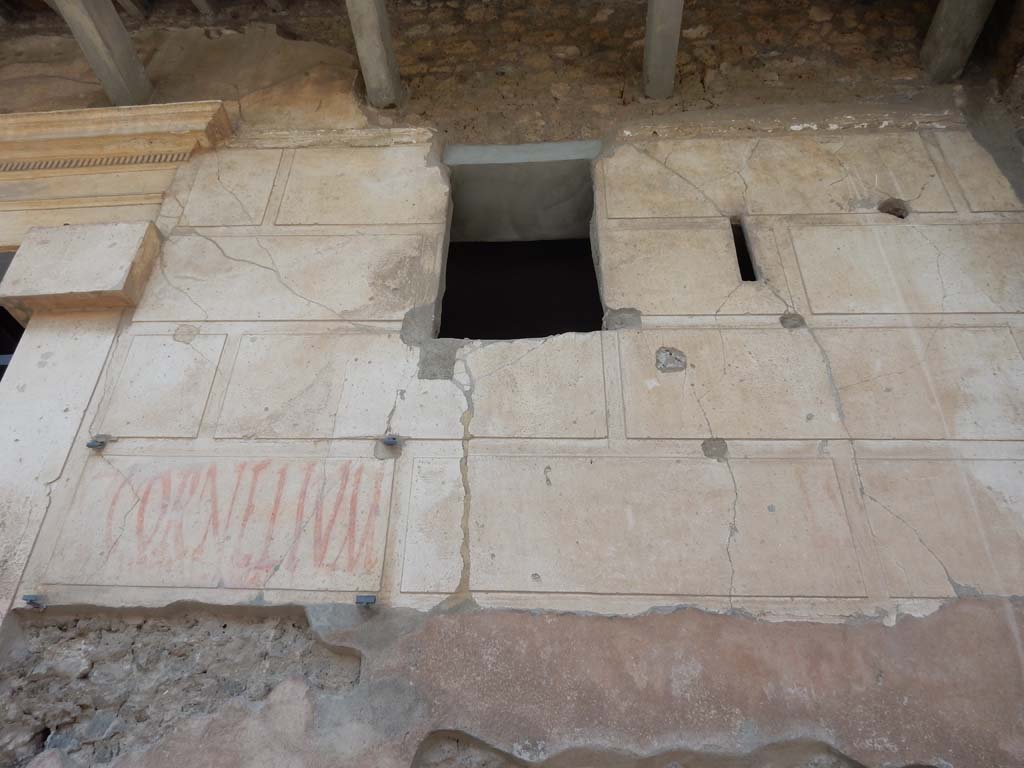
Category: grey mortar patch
[437,358]
[792,320]
[418,325]
[670,360]
[386,452]
[715,448]
[621,319]
[186,334]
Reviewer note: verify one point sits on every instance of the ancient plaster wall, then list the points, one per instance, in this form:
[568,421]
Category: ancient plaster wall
[797,447]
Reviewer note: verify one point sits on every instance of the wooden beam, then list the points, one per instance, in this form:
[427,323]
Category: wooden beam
[372,32]
[955,28]
[108,48]
[661,47]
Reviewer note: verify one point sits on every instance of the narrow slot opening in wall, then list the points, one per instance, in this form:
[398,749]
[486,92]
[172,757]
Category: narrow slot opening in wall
[744,258]
[10,329]
[520,263]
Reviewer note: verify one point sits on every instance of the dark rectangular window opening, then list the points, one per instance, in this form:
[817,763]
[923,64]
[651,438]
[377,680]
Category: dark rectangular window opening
[10,329]
[520,264]
[744,258]
[520,290]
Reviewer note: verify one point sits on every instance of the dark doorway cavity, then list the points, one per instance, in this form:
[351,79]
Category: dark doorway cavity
[520,262]
[744,258]
[520,290]
[10,329]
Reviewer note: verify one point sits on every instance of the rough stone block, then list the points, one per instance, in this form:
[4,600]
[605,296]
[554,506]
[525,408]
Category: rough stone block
[86,266]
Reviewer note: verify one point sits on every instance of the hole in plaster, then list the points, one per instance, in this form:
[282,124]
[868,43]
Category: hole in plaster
[895,207]
[520,290]
[520,263]
[10,329]
[743,254]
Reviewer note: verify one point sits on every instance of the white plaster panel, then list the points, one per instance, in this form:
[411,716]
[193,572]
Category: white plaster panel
[778,175]
[984,185]
[928,383]
[232,187]
[902,269]
[380,185]
[316,524]
[43,396]
[163,386]
[633,525]
[738,383]
[360,277]
[945,528]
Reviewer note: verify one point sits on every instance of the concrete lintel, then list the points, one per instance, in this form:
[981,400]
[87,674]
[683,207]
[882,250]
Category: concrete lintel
[372,32]
[661,45]
[108,48]
[951,37]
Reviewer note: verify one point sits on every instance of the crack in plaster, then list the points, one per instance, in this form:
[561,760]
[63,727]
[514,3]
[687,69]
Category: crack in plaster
[231,192]
[960,590]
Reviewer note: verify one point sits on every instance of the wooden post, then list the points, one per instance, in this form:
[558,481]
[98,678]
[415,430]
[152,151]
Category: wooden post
[369,19]
[951,37]
[661,46]
[108,48]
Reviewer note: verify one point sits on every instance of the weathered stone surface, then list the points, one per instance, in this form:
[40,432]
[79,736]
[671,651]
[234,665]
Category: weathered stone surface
[163,387]
[98,266]
[731,374]
[625,525]
[234,523]
[361,277]
[232,187]
[789,175]
[392,185]
[687,271]
[909,270]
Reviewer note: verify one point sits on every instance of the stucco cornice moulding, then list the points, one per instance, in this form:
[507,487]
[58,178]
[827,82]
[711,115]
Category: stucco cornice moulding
[130,132]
